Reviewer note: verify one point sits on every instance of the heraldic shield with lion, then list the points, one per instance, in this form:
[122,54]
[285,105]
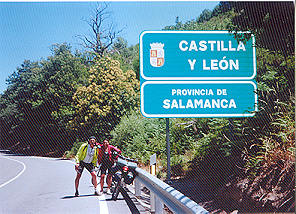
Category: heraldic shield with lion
[156,54]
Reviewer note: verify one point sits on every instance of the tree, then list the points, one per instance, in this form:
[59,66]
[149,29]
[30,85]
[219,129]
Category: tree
[103,35]
[110,93]
[15,102]
[37,103]
[64,73]
[272,23]
[127,56]
[207,20]
[206,15]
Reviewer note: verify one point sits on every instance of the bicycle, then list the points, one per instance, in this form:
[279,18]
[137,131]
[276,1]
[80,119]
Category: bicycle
[124,174]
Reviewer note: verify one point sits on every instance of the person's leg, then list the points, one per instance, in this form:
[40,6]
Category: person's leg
[79,171]
[109,180]
[78,176]
[111,170]
[91,168]
[102,181]
[94,179]
[95,182]
[103,170]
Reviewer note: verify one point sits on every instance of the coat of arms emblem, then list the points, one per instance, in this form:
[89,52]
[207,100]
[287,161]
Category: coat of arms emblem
[156,54]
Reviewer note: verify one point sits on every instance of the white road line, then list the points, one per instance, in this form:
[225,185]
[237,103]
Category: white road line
[2,185]
[103,204]
[102,199]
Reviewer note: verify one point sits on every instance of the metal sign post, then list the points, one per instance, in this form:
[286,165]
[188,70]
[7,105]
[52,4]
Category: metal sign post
[168,148]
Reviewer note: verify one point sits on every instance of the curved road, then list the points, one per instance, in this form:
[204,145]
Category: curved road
[46,185]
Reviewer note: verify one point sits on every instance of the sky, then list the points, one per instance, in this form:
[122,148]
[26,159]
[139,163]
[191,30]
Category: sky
[29,29]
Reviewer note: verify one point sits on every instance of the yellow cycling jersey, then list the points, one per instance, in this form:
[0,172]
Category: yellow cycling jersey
[81,154]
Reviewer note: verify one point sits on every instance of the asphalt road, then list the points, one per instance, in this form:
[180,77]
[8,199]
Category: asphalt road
[46,185]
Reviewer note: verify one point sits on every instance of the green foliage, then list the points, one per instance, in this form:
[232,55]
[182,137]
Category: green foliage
[50,103]
[257,142]
[128,57]
[276,147]
[124,54]
[254,141]
[140,137]
[218,19]
[76,145]
[215,150]
[275,73]
[272,23]
[37,102]
[109,94]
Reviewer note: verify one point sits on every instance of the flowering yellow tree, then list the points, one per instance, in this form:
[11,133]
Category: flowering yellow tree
[109,94]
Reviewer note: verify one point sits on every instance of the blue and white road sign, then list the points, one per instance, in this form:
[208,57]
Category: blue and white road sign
[197,74]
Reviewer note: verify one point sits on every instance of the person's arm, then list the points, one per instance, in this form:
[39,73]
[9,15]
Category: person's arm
[115,149]
[79,153]
[95,157]
[99,159]
[77,158]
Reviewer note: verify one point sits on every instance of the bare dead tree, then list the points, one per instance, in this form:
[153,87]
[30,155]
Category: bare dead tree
[103,35]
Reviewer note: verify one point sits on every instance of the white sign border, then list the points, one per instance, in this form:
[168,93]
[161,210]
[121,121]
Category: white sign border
[195,78]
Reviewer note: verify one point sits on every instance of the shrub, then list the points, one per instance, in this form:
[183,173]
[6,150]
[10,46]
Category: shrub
[71,154]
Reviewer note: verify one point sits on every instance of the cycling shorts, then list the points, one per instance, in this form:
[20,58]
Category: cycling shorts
[89,166]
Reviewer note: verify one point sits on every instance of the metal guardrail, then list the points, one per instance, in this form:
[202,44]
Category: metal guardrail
[172,198]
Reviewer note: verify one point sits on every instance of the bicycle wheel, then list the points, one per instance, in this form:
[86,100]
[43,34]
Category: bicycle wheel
[117,189]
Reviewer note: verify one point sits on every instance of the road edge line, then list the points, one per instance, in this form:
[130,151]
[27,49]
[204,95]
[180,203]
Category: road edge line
[2,185]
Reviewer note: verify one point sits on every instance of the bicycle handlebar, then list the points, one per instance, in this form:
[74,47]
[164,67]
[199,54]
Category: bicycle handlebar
[128,159]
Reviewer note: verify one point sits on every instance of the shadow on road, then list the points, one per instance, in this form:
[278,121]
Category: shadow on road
[80,196]
[130,203]
[118,199]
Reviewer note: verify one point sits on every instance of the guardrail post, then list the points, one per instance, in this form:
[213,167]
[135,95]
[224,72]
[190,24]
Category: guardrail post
[156,204]
[159,207]
[152,172]
[172,198]
[152,202]
[137,187]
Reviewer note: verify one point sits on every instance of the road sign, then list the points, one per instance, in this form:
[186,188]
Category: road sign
[197,74]
[195,55]
[168,99]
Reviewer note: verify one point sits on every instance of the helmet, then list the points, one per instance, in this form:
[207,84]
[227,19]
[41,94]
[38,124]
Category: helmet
[92,137]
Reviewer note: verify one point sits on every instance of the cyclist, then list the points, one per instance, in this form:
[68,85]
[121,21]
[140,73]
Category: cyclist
[87,157]
[105,158]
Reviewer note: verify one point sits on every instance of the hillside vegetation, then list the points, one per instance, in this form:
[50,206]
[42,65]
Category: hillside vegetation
[252,169]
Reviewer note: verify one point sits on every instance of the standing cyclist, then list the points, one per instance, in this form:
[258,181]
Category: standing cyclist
[105,158]
[87,157]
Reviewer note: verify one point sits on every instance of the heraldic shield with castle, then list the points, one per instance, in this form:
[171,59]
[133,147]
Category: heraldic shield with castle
[156,54]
